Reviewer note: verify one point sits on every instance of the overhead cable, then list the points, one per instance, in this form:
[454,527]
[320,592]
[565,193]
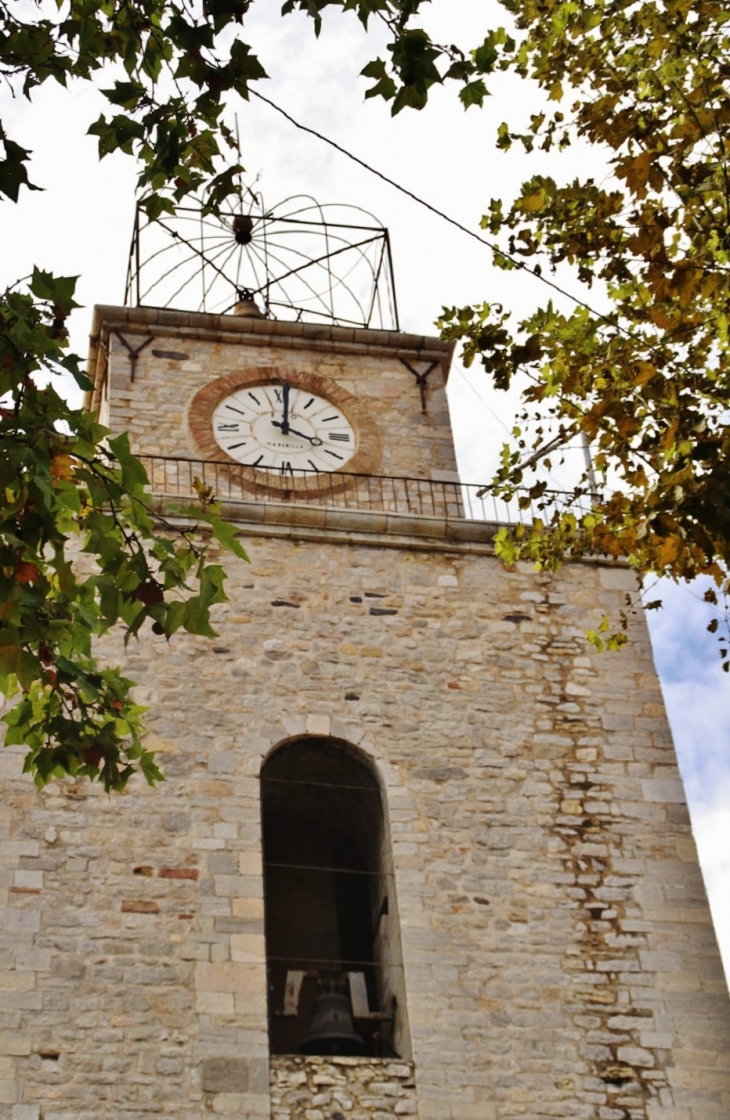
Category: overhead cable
[446,217]
[535,272]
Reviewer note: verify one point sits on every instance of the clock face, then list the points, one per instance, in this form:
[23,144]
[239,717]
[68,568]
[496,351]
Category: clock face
[277,422]
[283,427]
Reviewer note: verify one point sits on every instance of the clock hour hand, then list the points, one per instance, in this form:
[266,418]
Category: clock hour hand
[285,417]
[314,440]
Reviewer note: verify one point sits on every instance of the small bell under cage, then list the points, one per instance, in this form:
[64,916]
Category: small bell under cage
[331,1031]
[246,305]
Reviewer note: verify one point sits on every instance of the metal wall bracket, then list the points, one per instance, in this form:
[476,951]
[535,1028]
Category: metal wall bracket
[131,351]
[421,379]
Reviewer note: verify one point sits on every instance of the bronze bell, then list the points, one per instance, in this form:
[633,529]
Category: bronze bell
[331,1030]
[242,226]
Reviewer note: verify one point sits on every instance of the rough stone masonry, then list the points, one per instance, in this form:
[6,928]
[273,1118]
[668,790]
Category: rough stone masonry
[559,958]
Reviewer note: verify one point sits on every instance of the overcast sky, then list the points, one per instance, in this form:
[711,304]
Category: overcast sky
[81,225]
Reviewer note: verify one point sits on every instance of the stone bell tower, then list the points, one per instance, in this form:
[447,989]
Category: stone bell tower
[420,852]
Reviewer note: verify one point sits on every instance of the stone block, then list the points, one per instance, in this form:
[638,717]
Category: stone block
[251,909]
[215,1003]
[653,961]
[243,1106]
[15,1043]
[663,790]
[68,968]
[222,762]
[21,921]
[249,862]
[635,1056]
[179,873]
[318,724]
[8,1091]
[250,1010]
[28,880]
[248,947]
[230,976]
[619,578]
[224,1075]
[14,849]
[17,981]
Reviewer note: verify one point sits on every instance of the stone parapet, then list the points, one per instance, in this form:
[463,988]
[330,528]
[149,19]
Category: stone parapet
[347,526]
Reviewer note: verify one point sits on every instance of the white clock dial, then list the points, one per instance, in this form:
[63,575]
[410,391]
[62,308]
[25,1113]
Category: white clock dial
[284,428]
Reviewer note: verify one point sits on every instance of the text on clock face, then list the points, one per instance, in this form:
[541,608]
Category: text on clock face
[285,428]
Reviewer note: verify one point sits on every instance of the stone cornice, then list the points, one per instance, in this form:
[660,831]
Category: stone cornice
[369,528]
[244,329]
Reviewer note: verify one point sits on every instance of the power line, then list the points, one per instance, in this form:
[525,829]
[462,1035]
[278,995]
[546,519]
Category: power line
[452,221]
[479,396]
[446,217]
[610,320]
[534,272]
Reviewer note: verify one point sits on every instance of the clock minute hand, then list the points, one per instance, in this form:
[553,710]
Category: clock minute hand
[285,417]
[314,440]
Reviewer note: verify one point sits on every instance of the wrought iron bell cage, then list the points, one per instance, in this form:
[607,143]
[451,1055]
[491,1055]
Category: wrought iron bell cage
[300,260]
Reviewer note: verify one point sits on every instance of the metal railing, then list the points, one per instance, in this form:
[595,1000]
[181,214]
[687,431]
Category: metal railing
[423,497]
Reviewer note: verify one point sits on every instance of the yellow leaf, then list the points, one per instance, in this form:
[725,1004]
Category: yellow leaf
[666,552]
[62,468]
[644,373]
[533,202]
[660,318]
[637,171]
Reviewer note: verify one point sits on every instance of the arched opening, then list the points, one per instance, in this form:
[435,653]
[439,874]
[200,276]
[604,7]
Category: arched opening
[331,921]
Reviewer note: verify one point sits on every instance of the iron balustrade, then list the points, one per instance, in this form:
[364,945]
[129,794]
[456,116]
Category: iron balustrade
[182,478]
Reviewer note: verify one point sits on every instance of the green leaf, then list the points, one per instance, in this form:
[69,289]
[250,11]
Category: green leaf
[473,93]
[58,290]
[13,172]
[196,619]
[126,94]
[211,579]
[227,535]
[134,475]
[17,662]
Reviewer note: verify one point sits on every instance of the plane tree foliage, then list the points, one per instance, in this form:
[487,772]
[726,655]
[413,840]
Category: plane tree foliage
[80,552]
[641,369]
[637,365]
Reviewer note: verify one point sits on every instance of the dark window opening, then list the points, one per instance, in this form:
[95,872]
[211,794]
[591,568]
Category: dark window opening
[330,924]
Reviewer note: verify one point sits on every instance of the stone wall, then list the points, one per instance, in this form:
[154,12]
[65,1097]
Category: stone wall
[558,955]
[342,1089]
[558,952]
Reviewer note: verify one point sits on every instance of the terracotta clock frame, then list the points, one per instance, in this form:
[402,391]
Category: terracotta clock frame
[366,459]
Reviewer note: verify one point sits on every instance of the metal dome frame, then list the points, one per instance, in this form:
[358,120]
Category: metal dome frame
[295,260]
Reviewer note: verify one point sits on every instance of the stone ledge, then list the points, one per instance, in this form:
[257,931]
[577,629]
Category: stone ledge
[378,529]
[372,528]
[236,326]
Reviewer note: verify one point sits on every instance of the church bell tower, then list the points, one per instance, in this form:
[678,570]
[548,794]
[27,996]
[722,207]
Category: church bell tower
[420,851]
